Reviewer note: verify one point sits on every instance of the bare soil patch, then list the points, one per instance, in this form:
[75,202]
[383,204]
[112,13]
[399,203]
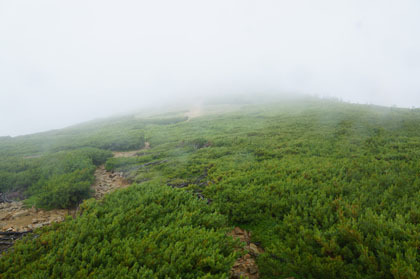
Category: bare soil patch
[15,217]
[107,182]
[245,266]
[133,153]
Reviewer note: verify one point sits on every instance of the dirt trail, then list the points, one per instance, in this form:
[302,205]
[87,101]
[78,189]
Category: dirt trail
[193,113]
[245,266]
[14,217]
[107,182]
[133,153]
[110,181]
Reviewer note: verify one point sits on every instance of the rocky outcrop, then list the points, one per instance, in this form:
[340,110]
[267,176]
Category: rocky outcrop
[245,266]
[107,182]
[14,217]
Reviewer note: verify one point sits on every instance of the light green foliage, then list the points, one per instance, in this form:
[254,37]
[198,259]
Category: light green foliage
[329,190]
[146,231]
[124,133]
[63,191]
[55,180]
[28,162]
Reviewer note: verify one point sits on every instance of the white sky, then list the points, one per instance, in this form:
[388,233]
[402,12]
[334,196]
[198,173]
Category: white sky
[63,62]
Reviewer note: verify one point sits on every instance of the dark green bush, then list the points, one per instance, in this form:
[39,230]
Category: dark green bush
[146,231]
[57,180]
[64,191]
[329,190]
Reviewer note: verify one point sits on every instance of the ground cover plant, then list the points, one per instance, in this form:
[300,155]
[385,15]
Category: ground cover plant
[328,189]
[146,231]
[56,180]
[55,169]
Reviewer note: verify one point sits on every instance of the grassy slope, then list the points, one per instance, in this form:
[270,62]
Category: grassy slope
[330,190]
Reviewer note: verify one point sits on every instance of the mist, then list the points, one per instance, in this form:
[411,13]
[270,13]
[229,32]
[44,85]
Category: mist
[64,62]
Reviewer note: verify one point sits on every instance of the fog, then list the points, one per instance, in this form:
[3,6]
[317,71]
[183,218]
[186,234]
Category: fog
[63,62]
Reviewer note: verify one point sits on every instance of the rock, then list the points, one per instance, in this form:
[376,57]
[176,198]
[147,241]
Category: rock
[238,275]
[238,231]
[37,226]
[254,249]
[59,219]
[243,238]
[6,216]
[249,262]
[252,269]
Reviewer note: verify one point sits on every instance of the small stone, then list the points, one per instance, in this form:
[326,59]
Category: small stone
[20,214]
[238,231]
[249,262]
[243,238]
[252,269]
[236,264]
[253,249]
[237,275]
[6,217]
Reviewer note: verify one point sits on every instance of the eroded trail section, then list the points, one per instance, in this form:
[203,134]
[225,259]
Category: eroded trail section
[133,153]
[245,266]
[14,217]
[107,182]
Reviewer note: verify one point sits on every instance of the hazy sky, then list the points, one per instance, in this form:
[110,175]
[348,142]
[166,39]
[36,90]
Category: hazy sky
[63,62]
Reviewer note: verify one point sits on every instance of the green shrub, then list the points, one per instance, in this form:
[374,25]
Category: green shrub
[64,191]
[145,231]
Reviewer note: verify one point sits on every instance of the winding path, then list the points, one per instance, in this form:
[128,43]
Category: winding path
[14,217]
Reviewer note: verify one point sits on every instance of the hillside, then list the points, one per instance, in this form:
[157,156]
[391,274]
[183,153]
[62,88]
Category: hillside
[326,189]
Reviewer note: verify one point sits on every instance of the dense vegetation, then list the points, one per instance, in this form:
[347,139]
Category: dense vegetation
[57,180]
[328,189]
[147,231]
[55,169]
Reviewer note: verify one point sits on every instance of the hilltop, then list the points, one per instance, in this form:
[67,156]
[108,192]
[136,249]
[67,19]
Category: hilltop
[312,188]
